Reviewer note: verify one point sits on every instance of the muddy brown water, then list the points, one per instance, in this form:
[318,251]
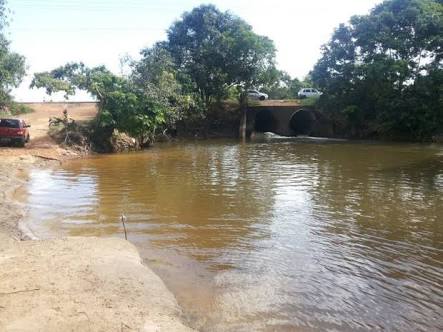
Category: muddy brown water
[276,235]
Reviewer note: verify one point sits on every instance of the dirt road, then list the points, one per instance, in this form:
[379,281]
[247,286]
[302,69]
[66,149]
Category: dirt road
[72,284]
[41,144]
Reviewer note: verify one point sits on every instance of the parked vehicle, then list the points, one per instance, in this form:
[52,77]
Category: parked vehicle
[14,131]
[254,94]
[308,92]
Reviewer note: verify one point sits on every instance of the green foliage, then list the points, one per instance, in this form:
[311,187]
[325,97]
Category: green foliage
[281,86]
[157,76]
[128,109]
[12,65]
[208,56]
[310,101]
[218,50]
[122,105]
[382,73]
[70,77]
[52,84]
[17,109]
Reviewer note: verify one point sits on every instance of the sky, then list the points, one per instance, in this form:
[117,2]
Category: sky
[50,33]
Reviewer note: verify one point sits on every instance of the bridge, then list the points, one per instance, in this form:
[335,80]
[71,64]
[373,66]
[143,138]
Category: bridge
[286,118]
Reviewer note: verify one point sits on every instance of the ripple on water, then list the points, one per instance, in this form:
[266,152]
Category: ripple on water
[269,236]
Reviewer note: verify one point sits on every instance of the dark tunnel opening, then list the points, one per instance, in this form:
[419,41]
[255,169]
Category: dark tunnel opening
[302,122]
[264,121]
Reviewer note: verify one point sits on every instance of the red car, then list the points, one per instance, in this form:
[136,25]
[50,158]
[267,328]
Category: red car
[14,131]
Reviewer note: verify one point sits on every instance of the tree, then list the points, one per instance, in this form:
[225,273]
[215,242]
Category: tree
[157,76]
[122,105]
[218,50]
[381,74]
[207,54]
[281,86]
[12,65]
[65,78]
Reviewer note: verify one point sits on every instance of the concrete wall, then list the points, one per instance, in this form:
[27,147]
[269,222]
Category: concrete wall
[287,121]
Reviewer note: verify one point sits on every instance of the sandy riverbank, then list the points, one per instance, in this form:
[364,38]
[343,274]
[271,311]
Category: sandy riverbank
[72,284]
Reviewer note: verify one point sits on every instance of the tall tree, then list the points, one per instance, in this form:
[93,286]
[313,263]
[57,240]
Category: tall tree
[122,104]
[219,50]
[280,85]
[381,74]
[157,76]
[12,65]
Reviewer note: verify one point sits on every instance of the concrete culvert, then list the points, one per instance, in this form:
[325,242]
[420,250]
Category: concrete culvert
[264,121]
[302,122]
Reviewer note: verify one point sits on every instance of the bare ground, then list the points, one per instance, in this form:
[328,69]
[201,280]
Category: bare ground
[41,145]
[72,284]
[81,284]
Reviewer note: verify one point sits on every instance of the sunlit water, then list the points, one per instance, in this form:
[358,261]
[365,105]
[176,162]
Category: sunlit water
[273,235]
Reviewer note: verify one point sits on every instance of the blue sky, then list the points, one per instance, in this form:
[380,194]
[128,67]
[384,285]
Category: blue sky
[50,33]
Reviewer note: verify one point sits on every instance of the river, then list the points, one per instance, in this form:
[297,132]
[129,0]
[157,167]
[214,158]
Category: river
[271,235]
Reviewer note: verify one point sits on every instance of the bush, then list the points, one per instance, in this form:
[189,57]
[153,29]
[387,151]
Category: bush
[17,109]
[68,132]
[14,109]
[310,101]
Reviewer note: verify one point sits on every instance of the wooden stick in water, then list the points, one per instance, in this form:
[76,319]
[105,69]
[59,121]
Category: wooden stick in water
[123,219]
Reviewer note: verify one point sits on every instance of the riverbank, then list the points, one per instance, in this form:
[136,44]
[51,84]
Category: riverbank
[78,284]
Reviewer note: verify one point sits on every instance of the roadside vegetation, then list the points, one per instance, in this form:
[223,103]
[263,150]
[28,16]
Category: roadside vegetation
[17,109]
[12,69]
[380,74]
[67,131]
[207,54]
[13,109]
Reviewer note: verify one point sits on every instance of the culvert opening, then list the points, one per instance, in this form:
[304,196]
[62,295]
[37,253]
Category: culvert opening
[264,121]
[302,122]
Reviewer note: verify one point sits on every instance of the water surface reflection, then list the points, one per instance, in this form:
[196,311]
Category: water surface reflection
[269,235]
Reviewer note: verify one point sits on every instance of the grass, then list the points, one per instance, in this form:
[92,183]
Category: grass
[15,109]
[310,101]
